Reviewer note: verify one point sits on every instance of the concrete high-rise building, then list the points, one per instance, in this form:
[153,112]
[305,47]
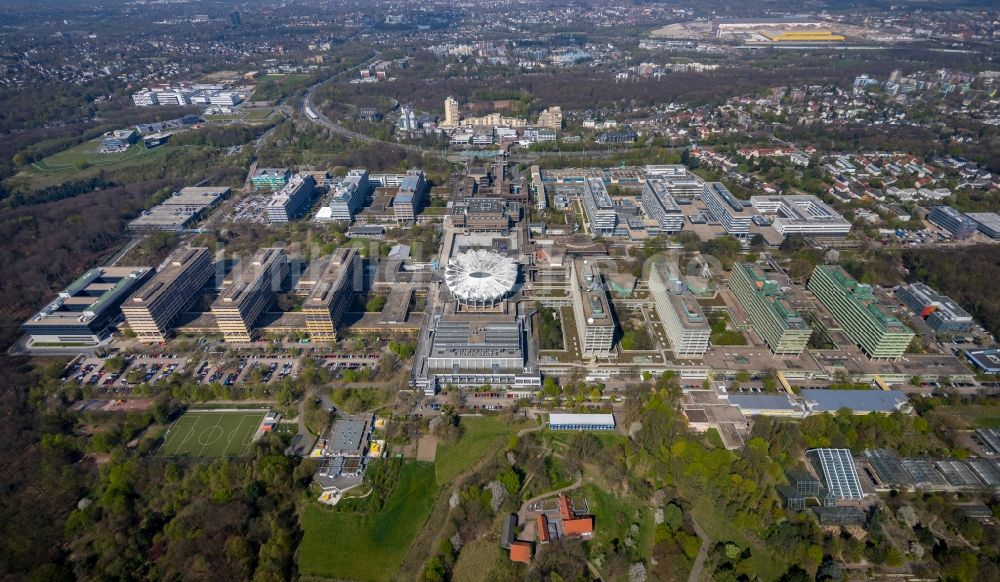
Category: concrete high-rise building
[251,292]
[685,322]
[407,118]
[152,309]
[451,115]
[856,309]
[774,320]
[331,294]
[599,207]
[591,308]
[289,202]
[661,206]
[726,209]
[411,197]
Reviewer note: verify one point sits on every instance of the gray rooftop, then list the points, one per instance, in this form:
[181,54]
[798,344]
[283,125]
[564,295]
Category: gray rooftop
[823,400]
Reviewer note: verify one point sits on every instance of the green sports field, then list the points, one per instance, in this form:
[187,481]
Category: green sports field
[206,433]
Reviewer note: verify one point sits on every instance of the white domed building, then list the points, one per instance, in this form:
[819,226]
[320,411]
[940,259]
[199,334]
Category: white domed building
[480,278]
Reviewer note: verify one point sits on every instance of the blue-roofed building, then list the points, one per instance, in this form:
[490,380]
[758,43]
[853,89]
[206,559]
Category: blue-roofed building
[411,197]
[987,360]
[858,401]
[958,224]
[767,405]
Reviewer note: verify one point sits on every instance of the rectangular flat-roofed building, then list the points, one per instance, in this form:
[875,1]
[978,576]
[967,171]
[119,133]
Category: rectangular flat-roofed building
[181,210]
[774,320]
[347,198]
[252,291]
[988,223]
[726,209]
[987,360]
[941,313]
[805,215]
[959,225]
[867,323]
[289,202]
[599,207]
[660,205]
[411,197]
[270,178]
[331,294]
[151,310]
[83,311]
[594,321]
[685,322]
[857,401]
[581,421]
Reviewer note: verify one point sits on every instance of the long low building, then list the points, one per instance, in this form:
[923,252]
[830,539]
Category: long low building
[83,311]
[805,215]
[471,351]
[581,421]
[181,210]
[988,223]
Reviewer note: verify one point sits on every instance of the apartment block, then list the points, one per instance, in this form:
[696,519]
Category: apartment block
[152,309]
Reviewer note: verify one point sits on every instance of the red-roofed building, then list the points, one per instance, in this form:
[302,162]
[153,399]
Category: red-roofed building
[564,510]
[581,526]
[520,552]
[543,529]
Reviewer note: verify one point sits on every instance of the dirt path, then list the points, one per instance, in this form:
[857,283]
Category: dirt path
[699,561]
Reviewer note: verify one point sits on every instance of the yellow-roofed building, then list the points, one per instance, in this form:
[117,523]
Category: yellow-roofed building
[804,36]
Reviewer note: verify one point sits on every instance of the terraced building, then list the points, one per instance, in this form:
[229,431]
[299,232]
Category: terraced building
[877,333]
[784,331]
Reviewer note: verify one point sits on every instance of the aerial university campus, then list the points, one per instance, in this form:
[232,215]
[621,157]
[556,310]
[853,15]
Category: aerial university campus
[439,291]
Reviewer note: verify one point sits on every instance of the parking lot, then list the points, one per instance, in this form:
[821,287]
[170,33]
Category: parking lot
[138,369]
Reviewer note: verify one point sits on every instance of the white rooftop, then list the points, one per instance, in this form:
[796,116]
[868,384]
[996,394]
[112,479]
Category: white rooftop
[591,419]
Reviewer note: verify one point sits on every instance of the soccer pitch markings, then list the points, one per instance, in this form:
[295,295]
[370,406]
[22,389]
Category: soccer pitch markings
[203,433]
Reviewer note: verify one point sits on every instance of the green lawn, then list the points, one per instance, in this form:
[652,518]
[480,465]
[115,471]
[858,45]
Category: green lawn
[211,434]
[369,547]
[482,433]
[81,162]
[614,516]
[766,564]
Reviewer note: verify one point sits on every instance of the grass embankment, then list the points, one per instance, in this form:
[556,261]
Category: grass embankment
[481,434]
[368,547]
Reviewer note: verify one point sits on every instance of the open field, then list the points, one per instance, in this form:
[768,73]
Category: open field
[973,416]
[211,434]
[368,547]
[481,433]
[476,560]
[82,162]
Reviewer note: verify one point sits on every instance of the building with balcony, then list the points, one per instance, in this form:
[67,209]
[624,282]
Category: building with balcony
[863,319]
[774,320]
